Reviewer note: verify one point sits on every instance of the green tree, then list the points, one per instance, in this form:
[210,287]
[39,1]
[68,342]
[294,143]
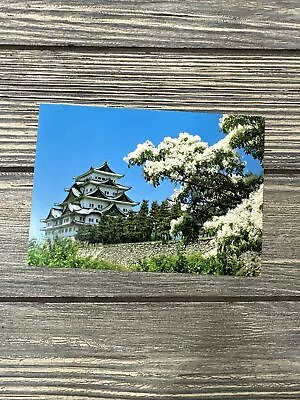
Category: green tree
[88,233]
[154,220]
[249,134]
[143,228]
[164,221]
[212,179]
[131,228]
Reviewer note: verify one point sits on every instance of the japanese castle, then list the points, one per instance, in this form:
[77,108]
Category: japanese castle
[94,193]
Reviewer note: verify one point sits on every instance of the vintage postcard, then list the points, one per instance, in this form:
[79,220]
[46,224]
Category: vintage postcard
[147,190]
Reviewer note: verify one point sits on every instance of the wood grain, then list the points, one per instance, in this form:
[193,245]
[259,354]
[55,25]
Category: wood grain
[281,255]
[166,351]
[173,24]
[165,336]
[234,82]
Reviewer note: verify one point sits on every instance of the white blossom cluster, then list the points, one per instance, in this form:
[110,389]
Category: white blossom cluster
[141,150]
[240,129]
[243,223]
[187,157]
[183,156]
[170,157]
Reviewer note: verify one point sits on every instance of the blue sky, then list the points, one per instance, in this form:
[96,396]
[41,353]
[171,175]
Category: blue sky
[73,138]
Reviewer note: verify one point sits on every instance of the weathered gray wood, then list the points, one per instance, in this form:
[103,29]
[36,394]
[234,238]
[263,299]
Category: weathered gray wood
[220,350]
[239,82]
[166,351]
[280,269]
[173,24]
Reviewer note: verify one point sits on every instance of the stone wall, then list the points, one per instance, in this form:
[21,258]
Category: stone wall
[130,253]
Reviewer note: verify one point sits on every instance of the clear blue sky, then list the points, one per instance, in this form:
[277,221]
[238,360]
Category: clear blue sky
[73,138]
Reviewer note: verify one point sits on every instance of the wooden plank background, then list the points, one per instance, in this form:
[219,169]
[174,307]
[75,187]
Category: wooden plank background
[69,334]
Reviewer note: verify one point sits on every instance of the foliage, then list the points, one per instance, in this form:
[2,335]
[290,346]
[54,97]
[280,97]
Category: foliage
[221,264]
[63,253]
[250,138]
[142,226]
[210,180]
[240,230]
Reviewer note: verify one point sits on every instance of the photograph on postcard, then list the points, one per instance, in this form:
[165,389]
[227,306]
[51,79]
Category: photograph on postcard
[147,190]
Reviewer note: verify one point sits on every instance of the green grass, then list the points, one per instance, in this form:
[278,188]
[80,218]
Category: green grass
[63,253]
[222,264]
[180,263]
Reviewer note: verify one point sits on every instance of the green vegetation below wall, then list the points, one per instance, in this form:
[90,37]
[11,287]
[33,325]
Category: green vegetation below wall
[148,257]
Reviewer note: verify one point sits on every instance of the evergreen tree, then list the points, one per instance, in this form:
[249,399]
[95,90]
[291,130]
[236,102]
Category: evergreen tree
[131,231]
[88,233]
[164,220]
[141,226]
[143,223]
[154,220]
[175,211]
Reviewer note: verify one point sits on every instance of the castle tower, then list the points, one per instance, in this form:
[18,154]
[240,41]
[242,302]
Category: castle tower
[94,193]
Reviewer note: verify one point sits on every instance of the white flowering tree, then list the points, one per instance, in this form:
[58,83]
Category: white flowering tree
[240,229]
[239,232]
[209,180]
[250,138]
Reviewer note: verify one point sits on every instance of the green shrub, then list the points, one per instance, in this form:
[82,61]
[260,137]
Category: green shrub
[222,264]
[63,253]
[180,263]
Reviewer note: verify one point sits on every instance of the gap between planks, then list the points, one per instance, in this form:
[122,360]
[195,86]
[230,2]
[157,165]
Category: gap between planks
[148,299]
[255,52]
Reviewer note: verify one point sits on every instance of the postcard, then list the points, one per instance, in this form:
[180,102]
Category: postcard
[147,190]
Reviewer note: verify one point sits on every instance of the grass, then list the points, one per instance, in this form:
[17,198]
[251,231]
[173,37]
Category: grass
[196,263]
[180,263]
[64,253]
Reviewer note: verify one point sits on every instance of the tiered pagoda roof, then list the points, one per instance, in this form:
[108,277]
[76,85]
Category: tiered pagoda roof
[104,168]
